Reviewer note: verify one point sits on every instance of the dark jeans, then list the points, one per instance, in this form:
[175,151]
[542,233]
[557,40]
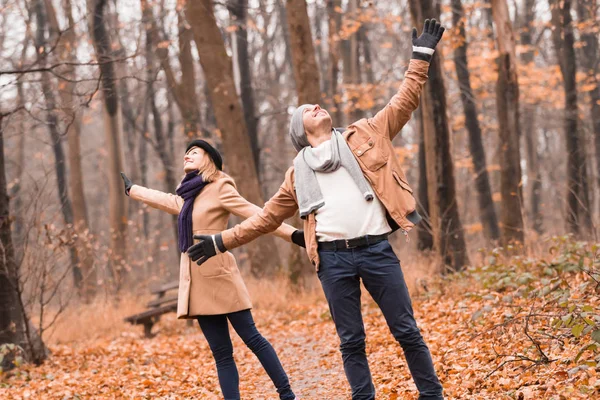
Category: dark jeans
[340,273]
[216,331]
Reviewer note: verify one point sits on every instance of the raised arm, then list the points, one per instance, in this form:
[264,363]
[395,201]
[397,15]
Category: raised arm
[233,202]
[390,120]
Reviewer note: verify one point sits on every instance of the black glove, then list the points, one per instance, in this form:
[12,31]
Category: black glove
[424,45]
[298,238]
[207,247]
[127,182]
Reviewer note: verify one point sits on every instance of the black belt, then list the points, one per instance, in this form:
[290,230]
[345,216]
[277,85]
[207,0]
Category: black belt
[344,244]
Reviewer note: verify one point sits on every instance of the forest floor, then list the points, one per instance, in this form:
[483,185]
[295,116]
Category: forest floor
[512,328]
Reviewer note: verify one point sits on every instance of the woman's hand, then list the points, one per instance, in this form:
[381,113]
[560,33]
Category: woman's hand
[298,238]
[207,247]
[127,182]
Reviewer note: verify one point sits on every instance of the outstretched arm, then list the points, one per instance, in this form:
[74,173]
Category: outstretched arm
[280,207]
[154,198]
[233,202]
[398,111]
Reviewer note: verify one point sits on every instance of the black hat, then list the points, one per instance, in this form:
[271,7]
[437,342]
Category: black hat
[211,151]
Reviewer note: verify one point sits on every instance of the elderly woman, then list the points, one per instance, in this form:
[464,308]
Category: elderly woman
[215,292]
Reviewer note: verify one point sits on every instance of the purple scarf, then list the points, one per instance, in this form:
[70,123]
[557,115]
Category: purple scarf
[189,188]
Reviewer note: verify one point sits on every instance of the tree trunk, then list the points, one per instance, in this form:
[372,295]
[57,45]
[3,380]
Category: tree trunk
[143,156]
[218,72]
[588,24]
[184,91]
[365,46]
[578,204]
[18,222]
[162,147]
[112,128]
[11,319]
[507,93]
[425,238]
[131,132]
[351,71]
[487,211]
[534,176]
[14,327]
[283,15]
[304,62]
[239,12]
[334,17]
[65,46]
[59,155]
[309,92]
[319,43]
[447,229]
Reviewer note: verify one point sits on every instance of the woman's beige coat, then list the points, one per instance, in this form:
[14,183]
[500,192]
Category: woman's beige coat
[215,287]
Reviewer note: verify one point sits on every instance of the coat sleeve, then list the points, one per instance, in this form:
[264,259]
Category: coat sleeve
[233,202]
[398,111]
[167,202]
[279,208]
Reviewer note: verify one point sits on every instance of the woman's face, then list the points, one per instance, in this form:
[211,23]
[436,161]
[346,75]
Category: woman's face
[193,159]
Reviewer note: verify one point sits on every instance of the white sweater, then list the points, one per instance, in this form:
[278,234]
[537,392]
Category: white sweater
[346,214]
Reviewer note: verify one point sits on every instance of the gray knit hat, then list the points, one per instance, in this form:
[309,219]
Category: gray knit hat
[297,132]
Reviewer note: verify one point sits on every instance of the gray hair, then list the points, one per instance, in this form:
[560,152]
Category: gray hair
[297,132]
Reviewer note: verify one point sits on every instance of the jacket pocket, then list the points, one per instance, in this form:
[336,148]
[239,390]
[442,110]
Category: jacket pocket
[371,153]
[403,184]
[218,265]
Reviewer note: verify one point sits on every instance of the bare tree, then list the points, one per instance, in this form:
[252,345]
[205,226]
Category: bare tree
[507,94]
[424,234]
[487,211]
[304,62]
[444,218]
[334,18]
[183,90]
[113,133]
[308,89]
[218,71]
[11,320]
[534,176]
[14,325]
[161,142]
[351,63]
[239,12]
[587,11]
[578,203]
[52,124]
[65,43]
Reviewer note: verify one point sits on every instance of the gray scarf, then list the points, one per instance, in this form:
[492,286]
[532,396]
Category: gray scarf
[307,163]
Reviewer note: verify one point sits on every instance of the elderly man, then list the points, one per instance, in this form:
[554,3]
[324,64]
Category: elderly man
[352,193]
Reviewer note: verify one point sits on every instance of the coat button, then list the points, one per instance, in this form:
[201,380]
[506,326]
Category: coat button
[370,143]
[359,152]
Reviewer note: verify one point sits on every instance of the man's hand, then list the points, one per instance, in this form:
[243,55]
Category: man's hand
[127,182]
[207,247]
[298,238]
[424,45]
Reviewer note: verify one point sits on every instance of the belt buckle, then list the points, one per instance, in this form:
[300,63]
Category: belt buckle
[348,246]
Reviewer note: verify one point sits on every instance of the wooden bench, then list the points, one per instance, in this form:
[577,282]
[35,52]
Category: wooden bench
[162,304]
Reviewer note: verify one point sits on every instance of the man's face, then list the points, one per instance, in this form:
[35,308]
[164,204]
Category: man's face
[316,119]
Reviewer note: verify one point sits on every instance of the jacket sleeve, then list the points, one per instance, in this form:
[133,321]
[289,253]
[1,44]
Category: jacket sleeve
[279,208]
[167,202]
[233,202]
[398,111]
